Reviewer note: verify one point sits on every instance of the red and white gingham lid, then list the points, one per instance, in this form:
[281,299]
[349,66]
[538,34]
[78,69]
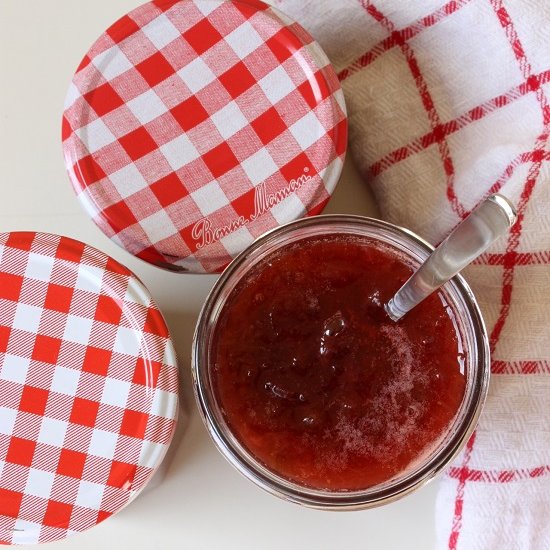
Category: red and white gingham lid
[88,387]
[192,127]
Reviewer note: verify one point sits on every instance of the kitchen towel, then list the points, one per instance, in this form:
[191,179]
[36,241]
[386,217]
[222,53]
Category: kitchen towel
[448,103]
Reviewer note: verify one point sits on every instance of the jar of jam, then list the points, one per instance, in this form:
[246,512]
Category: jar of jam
[311,391]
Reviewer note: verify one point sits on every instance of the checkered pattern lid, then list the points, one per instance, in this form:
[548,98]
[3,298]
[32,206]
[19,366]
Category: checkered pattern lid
[88,387]
[191,127]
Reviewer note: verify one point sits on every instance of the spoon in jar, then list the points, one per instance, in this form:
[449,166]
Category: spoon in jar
[485,224]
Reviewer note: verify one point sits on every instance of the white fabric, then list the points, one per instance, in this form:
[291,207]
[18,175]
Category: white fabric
[452,107]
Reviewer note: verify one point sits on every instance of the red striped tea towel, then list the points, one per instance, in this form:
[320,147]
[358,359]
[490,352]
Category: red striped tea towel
[449,102]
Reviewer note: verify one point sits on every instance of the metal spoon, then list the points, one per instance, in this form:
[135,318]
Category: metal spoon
[489,221]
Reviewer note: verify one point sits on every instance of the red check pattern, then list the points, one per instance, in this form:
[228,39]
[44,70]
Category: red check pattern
[185,117]
[448,103]
[88,387]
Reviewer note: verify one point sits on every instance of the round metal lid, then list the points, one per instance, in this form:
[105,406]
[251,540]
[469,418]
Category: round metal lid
[88,387]
[192,127]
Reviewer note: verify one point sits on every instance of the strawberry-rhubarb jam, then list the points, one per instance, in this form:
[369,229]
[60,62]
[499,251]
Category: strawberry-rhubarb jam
[317,383]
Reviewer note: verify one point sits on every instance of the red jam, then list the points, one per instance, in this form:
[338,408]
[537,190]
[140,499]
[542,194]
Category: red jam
[318,383]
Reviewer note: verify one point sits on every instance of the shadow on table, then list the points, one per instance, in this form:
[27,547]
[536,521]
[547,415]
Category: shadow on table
[185,447]
[352,194]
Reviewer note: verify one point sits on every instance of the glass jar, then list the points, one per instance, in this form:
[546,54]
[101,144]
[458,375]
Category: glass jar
[412,250]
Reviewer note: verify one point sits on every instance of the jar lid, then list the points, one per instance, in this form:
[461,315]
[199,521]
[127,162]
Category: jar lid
[192,127]
[88,387]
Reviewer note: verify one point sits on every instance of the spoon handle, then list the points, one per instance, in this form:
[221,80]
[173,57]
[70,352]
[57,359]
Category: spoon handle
[489,221]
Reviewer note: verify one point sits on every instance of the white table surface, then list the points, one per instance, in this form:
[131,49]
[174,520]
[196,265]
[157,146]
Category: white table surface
[200,502]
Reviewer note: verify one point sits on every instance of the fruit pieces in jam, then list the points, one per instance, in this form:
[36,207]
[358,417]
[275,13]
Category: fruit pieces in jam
[317,383]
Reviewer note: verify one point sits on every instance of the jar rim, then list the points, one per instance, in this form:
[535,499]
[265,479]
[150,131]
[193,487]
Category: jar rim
[460,428]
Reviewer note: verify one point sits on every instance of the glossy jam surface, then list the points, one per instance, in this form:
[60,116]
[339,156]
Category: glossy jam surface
[316,381]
